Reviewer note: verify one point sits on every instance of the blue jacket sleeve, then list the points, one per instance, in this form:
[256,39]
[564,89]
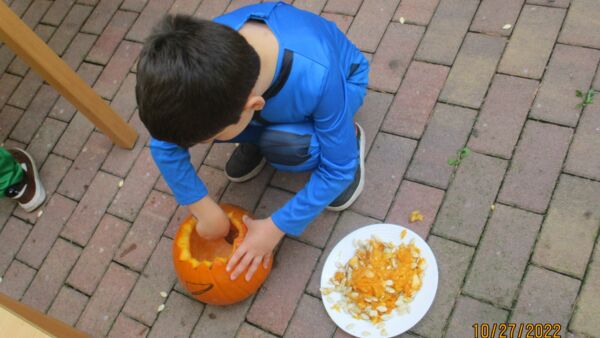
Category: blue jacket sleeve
[177,170]
[334,129]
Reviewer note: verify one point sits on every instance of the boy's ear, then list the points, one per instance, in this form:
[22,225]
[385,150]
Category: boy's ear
[255,103]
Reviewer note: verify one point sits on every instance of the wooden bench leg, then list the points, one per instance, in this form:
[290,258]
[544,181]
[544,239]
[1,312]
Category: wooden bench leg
[29,47]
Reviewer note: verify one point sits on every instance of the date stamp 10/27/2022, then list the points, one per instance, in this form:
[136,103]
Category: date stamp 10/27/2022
[516,330]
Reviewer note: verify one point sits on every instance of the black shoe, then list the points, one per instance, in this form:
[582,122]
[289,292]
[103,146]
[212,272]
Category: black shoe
[348,196]
[245,163]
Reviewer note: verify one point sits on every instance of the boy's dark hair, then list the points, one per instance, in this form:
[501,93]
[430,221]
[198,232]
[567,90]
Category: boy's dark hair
[193,78]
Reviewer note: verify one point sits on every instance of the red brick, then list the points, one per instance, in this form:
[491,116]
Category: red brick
[51,276]
[247,194]
[20,6]
[415,99]
[100,16]
[51,173]
[9,116]
[74,137]
[446,133]
[342,21]
[385,168]
[78,49]
[551,304]
[552,3]
[570,228]
[536,166]
[117,68]
[57,12]
[178,318]
[85,166]
[6,56]
[68,305]
[371,22]
[371,114]
[180,214]
[222,321]
[111,36]
[414,196]
[310,320]
[207,174]
[124,102]
[418,12]
[504,250]
[275,303]
[292,182]
[468,202]
[120,160]
[531,42]
[556,101]
[219,154]
[211,8]
[68,28]
[348,222]
[249,331]
[158,276]
[446,31]
[149,16]
[468,310]
[97,254]
[104,306]
[127,328]
[186,7]
[503,115]
[583,159]
[63,110]
[473,69]
[8,83]
[16,279]
[45,139]
[42,237]
[237,4]
[12,236]
[453,261]
[25,91]
[314,6]
[34,115]
[393,56]
[134,5]
[136,187]
[493,15]
[347,7]
[146,231]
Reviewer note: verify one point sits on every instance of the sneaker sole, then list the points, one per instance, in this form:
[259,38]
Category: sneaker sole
[249,175]
[361,182]
[40,194]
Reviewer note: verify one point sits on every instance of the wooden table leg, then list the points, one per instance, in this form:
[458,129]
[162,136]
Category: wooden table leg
[29,47]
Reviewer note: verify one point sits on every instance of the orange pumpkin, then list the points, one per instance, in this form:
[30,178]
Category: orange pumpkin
[200,264]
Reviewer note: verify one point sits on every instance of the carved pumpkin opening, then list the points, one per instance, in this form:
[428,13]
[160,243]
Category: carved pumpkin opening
[208,250]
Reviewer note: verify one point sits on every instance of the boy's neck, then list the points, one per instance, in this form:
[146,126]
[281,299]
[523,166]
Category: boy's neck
[264,42]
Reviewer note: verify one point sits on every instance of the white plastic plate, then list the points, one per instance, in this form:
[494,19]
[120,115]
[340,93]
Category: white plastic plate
[398,324]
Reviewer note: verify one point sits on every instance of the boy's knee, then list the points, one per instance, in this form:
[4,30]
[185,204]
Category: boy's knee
[285,147]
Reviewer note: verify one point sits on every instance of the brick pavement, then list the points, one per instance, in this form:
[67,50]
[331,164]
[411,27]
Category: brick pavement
[515,227]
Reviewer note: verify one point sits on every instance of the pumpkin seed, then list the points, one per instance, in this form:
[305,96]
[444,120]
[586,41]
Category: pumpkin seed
[160,308]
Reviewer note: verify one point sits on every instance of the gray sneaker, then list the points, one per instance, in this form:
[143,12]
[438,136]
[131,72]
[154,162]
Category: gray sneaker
[245,163]
[348,196]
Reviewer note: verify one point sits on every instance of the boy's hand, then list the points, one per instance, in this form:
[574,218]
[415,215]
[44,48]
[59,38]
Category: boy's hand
[257,247]
[211,221]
